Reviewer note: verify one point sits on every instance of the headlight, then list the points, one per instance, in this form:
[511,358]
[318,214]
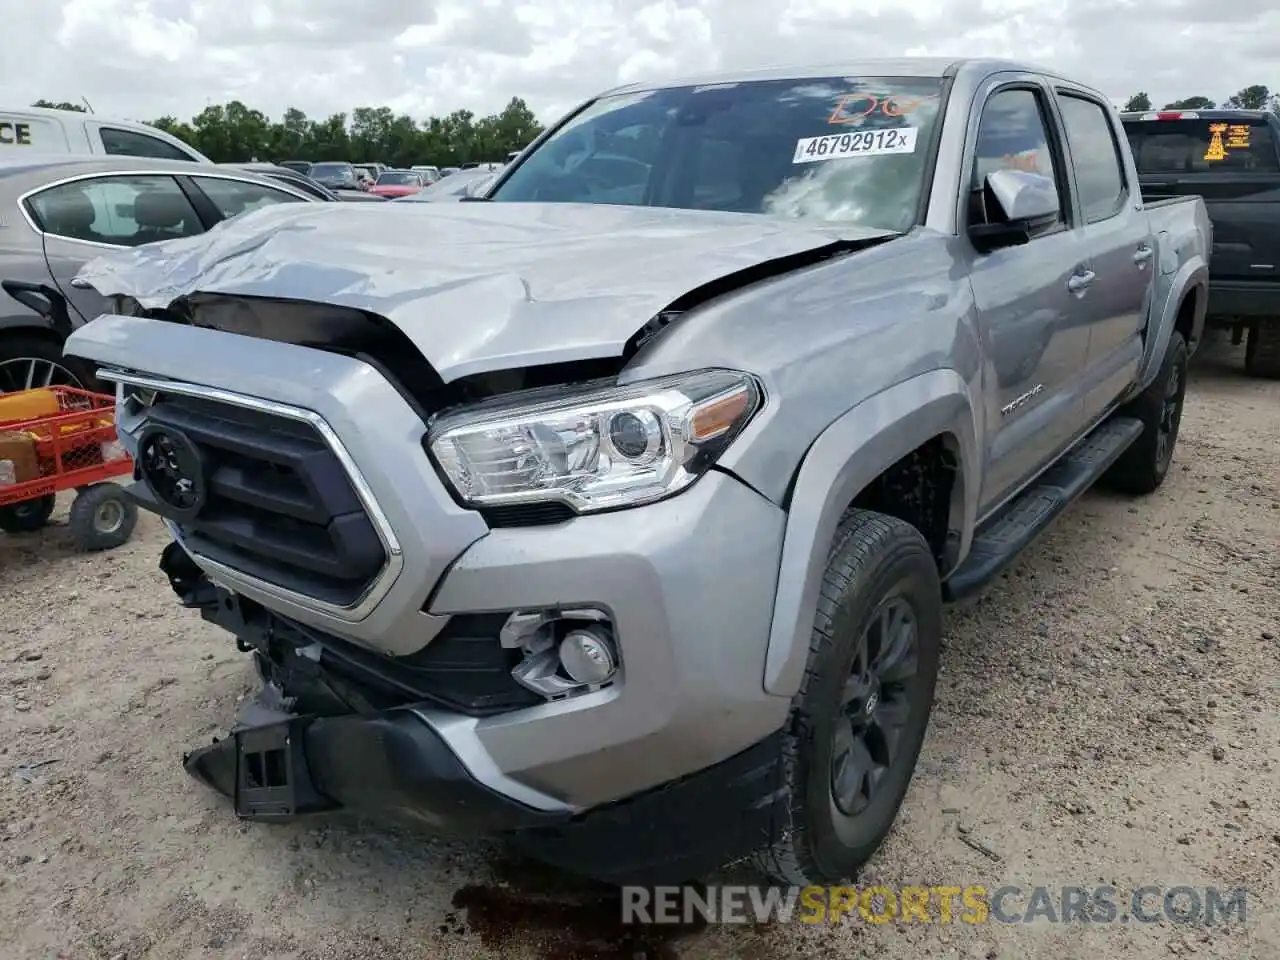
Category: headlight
[595,449]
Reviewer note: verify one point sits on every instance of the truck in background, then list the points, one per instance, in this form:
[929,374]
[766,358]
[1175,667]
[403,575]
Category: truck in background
[1231,158]
[43,131]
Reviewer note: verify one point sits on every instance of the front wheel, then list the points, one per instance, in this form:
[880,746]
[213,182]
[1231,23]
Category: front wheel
[860,717]
[29,361]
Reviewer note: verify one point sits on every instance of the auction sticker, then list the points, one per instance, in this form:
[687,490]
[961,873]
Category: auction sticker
[865,143]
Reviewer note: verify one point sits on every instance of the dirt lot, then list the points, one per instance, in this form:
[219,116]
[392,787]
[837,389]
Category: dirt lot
[1108,715]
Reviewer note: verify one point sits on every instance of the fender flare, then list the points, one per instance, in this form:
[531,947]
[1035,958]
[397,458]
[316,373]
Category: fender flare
[847,456]
[1192,274]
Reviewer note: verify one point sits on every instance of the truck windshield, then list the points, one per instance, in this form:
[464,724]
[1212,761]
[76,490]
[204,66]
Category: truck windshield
[1202,145]
[835,150]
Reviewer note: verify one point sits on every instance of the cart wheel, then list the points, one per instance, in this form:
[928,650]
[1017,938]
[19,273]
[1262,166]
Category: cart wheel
[102,517]
[27,516]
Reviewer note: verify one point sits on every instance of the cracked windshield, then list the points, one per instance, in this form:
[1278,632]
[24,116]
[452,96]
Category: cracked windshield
[839,150]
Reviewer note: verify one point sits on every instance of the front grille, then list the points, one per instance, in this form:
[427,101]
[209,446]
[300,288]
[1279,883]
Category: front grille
[280,506]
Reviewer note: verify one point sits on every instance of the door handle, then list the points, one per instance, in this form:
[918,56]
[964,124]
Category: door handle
[1142,255]
[1080,282]
[81,284]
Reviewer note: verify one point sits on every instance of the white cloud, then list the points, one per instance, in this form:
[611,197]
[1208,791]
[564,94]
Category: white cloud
[146,58]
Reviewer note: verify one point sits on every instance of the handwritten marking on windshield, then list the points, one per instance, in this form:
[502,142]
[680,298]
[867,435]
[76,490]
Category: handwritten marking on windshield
[856,107]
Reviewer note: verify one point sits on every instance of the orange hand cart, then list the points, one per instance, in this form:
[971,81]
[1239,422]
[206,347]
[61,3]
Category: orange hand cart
[61,438]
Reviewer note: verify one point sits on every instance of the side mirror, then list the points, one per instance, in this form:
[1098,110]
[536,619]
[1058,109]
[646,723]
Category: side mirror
[1022,202]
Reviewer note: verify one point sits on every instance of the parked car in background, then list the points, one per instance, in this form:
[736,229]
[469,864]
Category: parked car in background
[335,174]
[44,131]
[465,183]
[295,179]
[301,166]
[430,174]
[371,170]
[448,171]
[397,183]
[57,213]
[1231,158]
[725,391]
[286,175]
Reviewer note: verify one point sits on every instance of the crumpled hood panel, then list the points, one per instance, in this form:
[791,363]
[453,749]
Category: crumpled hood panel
[475,286]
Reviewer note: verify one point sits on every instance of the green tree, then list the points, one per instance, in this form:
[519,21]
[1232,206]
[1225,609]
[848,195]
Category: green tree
[235,132]
[1255,97]
[60,105]
[1191,103]
[1139,101]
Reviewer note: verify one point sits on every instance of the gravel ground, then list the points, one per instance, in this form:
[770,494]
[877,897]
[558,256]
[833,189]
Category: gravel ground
[1107,715]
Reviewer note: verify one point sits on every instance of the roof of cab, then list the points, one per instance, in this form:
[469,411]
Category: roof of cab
[898,67]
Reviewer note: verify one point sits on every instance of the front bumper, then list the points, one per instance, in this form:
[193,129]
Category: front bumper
[390,764]
[393,765]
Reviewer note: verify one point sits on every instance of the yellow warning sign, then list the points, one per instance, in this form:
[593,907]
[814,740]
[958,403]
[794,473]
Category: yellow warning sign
[1238,136]
[1216,150]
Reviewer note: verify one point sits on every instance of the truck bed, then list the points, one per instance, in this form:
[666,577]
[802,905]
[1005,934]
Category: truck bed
[1240,183]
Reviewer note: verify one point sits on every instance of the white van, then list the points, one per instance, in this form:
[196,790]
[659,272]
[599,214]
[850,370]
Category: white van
[40,130]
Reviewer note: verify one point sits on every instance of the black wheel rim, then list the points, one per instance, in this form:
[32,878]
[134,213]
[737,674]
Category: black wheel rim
[876,706]
[1170,416]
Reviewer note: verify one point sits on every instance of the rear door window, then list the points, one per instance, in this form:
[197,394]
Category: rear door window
[1202,145]
[1096,157]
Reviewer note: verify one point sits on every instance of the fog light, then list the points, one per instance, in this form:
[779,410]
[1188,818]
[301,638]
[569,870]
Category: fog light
[587,657]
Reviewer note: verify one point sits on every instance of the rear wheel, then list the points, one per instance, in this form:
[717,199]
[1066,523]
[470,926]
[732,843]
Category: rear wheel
[1143,467]
[860,717]
[1262,351]
[27,516]
[102,517]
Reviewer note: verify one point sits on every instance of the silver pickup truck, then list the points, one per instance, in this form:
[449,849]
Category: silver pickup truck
[616,512]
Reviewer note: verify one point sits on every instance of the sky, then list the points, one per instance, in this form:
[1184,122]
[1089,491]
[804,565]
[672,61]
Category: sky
[142,59]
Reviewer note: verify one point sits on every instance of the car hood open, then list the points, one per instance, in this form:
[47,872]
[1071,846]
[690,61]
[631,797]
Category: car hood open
[476,287]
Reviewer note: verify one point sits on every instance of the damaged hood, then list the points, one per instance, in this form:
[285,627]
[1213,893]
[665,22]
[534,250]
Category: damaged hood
[475,286]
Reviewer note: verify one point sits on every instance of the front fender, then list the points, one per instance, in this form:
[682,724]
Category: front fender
[1192,274]
[845,458]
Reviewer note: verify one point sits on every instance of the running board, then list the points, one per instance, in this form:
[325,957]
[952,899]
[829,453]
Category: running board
[999,541]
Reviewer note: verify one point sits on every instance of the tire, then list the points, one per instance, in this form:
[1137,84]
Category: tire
[45,353]
[1262,350]
[1142,468]
[27,516]
[875,563]
[102,517]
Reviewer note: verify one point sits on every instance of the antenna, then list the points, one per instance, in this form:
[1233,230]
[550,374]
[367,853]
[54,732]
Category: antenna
[87,104]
